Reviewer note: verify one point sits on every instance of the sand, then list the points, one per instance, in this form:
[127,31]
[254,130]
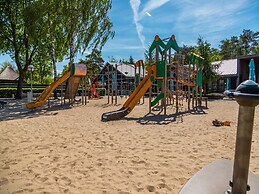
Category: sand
[70,150]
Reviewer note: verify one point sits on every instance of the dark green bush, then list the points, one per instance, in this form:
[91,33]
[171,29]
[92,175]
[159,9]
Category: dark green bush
[8,92]
[215,95]
[101,91]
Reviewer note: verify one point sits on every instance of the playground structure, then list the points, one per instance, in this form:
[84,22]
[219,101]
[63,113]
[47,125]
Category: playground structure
[92,92]
[115,85]
[173,79]
[216,177]
[74,76]
[176,76]
[119,79]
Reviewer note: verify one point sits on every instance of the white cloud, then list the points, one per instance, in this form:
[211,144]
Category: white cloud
[208,17]
[148,7]
[135,7]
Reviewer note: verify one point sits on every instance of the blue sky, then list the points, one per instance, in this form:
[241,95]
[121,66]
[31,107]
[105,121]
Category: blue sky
[136,22]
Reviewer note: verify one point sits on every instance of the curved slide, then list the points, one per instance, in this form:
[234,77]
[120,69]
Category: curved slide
[48,91]
[132,100]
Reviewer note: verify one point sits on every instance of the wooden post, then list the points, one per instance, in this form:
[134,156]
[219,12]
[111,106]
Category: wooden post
[150,88]
[112,85]
[83,91]
[116,84]
[143,70]
[177,85]
[189,82]
[164,84]
[108,87]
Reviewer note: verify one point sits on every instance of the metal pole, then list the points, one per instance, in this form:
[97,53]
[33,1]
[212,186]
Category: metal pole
[247,96]
[31,81]
[243,149]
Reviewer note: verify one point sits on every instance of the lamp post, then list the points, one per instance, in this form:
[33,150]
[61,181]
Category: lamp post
[31,68]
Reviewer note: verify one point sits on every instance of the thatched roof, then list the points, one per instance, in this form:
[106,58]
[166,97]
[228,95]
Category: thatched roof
[9,74]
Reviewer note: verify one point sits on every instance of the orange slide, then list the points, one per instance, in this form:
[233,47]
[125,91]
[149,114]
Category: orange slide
[47,92]
[133,98]
[76,72]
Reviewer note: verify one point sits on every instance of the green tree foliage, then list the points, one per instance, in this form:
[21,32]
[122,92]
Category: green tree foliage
[65,69]
[56,39]
[245,44]
[30,28]
[86,24]
[93,62]
[146,55]
[131,60]
[20,35]
[112,59]
[209,70]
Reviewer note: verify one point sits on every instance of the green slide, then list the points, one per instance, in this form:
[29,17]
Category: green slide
[159,97]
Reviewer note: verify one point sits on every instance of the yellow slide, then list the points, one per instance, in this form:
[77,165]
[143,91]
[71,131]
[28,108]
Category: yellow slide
[47,92]
[133,98]
[138,93]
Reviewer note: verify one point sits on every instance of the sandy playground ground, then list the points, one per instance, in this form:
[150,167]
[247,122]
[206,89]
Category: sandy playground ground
[70,150]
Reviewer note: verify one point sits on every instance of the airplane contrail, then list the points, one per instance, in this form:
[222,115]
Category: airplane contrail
[148,14]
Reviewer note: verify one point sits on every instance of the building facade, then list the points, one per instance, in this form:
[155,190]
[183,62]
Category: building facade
[119,77]
[232,72]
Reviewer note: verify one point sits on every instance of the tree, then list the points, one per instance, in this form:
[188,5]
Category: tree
[93,62]
[112,59]
[56,39]
[131,60]
[215,55]
[20,35]
[42,72]
[245,44]
[28,27]
[186,50]
[147,58]
[257,49]
[204,50]
[86,24]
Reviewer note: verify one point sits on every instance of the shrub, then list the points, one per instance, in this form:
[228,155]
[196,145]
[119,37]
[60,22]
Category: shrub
[8,92]
[101,91]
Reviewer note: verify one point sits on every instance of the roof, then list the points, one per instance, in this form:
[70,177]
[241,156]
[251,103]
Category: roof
[226,67]
[127,70]
[9,74]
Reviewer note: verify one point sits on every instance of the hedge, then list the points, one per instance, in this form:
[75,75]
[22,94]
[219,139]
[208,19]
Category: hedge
[8,92]
[101,91]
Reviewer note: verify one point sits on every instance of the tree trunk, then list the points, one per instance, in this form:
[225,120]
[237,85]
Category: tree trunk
[72,50]
[20,85]
[54,62]
[53,55]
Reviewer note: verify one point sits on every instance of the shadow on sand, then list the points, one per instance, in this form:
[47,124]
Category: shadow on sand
[161,119]
[16,109]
